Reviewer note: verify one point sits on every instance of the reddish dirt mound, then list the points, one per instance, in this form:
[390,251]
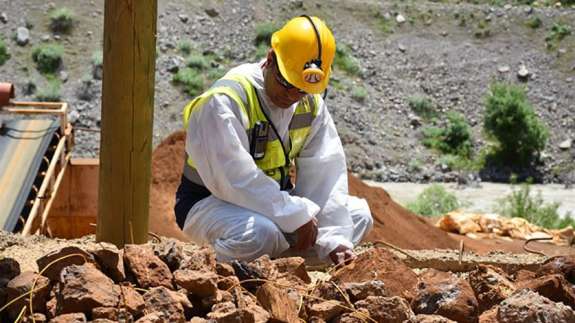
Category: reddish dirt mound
[393,223]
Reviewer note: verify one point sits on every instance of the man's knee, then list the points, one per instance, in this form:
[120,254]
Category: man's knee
[362,221]
[264,237]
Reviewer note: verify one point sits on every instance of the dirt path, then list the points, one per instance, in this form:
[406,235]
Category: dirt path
[483,198]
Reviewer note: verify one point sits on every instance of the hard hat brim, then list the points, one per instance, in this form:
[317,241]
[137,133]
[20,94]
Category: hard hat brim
[296,79]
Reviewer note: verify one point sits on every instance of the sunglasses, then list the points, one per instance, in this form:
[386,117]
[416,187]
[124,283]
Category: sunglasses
[282,81]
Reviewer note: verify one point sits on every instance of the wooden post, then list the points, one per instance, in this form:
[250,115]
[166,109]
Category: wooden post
[127,119]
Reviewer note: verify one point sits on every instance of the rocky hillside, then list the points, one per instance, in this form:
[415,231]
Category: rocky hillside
[446,52]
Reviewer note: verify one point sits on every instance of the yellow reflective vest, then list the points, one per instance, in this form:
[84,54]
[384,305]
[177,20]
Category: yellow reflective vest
[274,163]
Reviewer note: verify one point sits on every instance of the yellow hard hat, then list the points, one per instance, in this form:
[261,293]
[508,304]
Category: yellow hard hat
[305,48]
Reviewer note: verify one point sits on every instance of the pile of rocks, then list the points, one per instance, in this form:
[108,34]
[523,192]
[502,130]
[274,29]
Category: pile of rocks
[174,282]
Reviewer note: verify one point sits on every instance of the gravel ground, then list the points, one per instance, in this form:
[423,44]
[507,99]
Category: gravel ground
[435,53]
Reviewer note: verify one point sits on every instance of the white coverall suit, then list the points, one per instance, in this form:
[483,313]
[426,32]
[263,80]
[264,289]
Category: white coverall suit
[247,214]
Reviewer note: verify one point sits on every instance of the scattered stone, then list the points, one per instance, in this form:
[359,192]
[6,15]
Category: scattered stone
[199,283]
[566,144]
[507,6]
[400,19]
[62,258]
[293,265]
[445,294]
[401,48]
[22,36]
[84,287]
[112,313]
[132,300]
[424,318]
[360,291]
[414,120]
[528,10]
[212,12]
[387,309]
[70,318]
[3,18]
[35,318]
[183,18]
[63,76]
[444,33]
[200,259]
[527,306]
[45,38]
[224,269]
[9,268]
[277,303]
[171,252]
[491,286]
[325,310]
[161,299]
[148,270]
[523,73]
[503,69]
[155,317]
[111,261]
[22,284]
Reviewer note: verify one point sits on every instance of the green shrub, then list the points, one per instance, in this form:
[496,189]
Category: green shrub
[197,61]
[434,201]
[261,51]
[4,55]
[422,106]
[61,20]
[414,166]
[50,92]
[557,32]
[264,33]
[384,23]
[359,93]
[482,30]
[97,58]
[345,61]
[511,121]
[48,58]
[534,22]
[214,74]
[185,47]
[521,203]
[454,138]
[190,79]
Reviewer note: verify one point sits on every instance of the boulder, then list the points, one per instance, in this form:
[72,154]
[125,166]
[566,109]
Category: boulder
[491,286]
[148,269]
[387,309]
[527,306]
[62,258]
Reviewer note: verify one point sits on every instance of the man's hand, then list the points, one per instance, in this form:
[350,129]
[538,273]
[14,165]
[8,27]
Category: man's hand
[342,255]
[306,235]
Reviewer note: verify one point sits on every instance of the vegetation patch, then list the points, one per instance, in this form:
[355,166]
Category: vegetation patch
[190,79]
[534,22]
[61,20]
[434,201]
[4,55]
[345,61]
[50,92]
[511,122]
[453,138]
[264,33]
[385,23]
[185,47]
[422,106]
[359,93]
[557,32]
[48,58]
[523,204]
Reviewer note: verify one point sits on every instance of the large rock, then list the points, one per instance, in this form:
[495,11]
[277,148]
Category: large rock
[171,252]
[277,302]
[424,318]
[70,318]
[200,259]
[293,265]
[227,312]
[60,259]
[554,287]
[148,269]
[111,261]
[132,300]
[197,283]
[168,302]
[527,306]
[22,284]
[84,287]
[491,286]
[325,310]
[359,291]
[9,268]
[113,314]
[445,294]
[387,309]
[380,264]
[564,265]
